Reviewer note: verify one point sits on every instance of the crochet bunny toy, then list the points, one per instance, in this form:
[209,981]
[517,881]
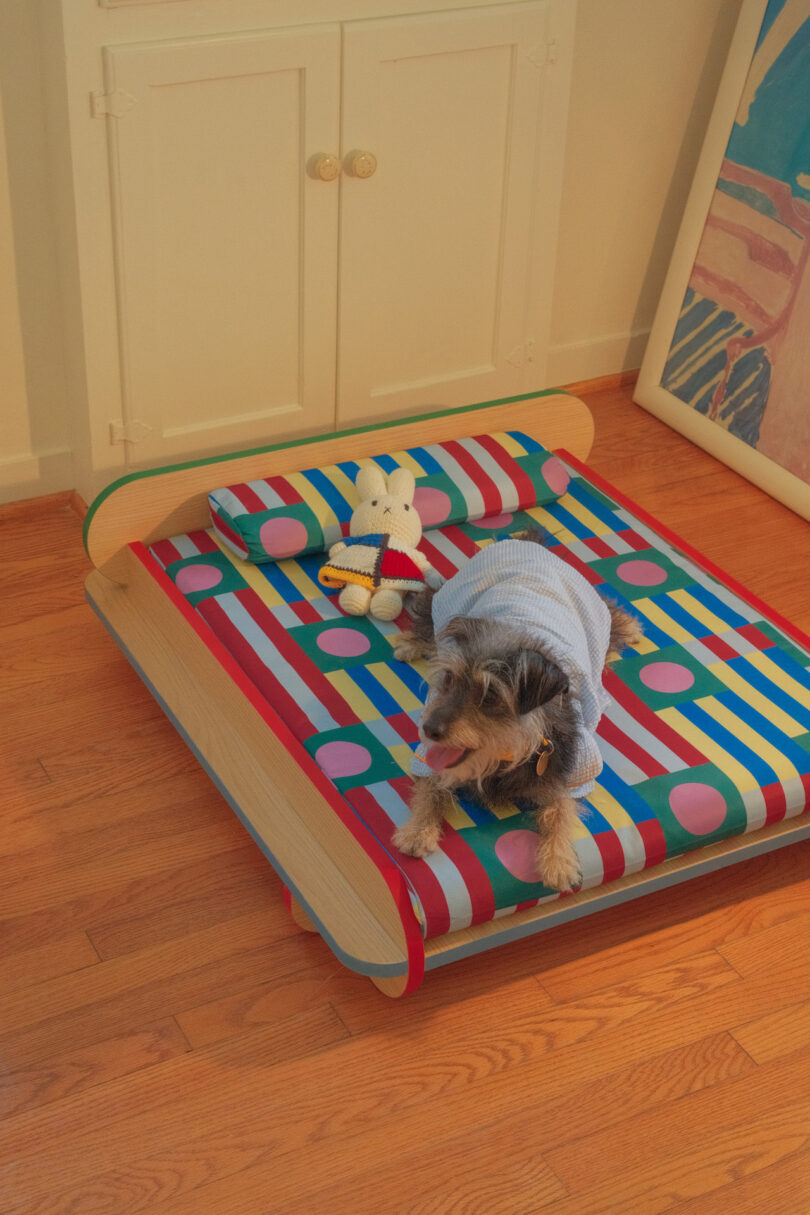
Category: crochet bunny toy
[378,562]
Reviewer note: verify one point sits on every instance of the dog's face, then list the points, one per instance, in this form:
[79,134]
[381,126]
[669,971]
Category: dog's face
[490,700]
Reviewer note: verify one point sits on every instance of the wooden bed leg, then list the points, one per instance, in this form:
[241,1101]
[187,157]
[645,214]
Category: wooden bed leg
[297,913]
[393,987]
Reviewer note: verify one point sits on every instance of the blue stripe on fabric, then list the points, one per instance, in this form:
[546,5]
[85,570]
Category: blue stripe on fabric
[718,606]
[770,690]
[563,516]
[579,491]
[596,822]
[680,615]
[425,460]
[526,441]
[386,463]
[280,582]
[350,469]
[477,813]
[413,681]
[329,492]
[769,732]
[379,696]
[762,773]
[790,666]
[630,801]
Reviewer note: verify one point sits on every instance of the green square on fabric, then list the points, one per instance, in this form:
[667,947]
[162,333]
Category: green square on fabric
[643,574]
[352,757]
[342,642]
[548,475]
[281,531]
[439,501]
[668,676]
[506,849]
[205,575]
[695,807]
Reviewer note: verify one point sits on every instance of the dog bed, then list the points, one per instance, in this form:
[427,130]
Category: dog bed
[706,743]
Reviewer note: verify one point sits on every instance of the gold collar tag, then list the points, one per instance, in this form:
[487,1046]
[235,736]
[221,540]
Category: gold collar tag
[546,752]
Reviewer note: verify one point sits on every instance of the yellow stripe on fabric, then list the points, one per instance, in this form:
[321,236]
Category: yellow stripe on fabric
[404,460]
[747,692]
[739,775]
[300,580]
[342,483]
[392,683]
[504,810]
[701,613]
[581,512]
[402,754]
[458,818]
[661,620]
[552,525]
[251,574]
[749,737]
[320,507]
[781,678]
[510,445]
[609,808]
[348,690]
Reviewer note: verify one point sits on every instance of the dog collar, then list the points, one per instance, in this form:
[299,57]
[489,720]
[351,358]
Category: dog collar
[544,753]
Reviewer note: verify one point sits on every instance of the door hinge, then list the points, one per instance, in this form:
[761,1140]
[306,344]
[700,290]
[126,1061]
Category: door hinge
[128,432]
[116,104]
[544,54]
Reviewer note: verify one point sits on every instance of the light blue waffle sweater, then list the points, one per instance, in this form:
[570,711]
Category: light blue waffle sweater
[530,588]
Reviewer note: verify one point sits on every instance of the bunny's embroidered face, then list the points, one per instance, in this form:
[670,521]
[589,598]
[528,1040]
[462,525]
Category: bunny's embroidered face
[387,507]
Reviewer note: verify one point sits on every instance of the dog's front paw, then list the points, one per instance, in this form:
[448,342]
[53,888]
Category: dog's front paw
[417,841]
[408,648]
[558,865]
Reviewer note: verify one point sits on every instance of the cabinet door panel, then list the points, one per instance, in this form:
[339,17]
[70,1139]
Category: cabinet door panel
[437,247]
[225,245]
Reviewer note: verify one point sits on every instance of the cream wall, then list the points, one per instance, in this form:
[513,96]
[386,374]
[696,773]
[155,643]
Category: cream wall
[644,80]
[645,74]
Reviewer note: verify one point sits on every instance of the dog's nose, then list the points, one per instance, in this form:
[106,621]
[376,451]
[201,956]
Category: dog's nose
[432,729]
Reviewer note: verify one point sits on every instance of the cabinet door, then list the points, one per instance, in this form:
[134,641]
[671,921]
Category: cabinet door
[445,277]
[225,243]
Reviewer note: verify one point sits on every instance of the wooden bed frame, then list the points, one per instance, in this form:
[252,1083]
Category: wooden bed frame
[340,880]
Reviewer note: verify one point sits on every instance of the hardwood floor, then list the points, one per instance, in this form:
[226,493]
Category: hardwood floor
[171,1043]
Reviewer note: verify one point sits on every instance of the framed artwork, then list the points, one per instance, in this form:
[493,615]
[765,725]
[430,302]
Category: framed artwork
[728,361]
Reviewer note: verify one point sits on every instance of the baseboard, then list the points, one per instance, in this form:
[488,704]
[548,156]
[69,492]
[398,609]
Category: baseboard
[578,362]
[36,474]
[603,383]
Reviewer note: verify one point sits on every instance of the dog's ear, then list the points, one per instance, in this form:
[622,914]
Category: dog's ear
[537,681]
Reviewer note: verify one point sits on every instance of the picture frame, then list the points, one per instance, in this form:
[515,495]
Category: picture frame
[728,359]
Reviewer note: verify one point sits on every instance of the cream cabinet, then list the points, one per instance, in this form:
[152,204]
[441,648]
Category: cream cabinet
[284,228]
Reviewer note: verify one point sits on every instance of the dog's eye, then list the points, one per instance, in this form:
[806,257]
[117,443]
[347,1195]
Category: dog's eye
[407,507]
[374,503]
[490,698]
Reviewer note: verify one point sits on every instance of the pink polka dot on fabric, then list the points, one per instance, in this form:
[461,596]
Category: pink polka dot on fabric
[342,642]
[495,521]
[666,677]
[433,505]
[198,577]
[283,537]
[342,758]
[556,475]
[699,808]
[516,851]
[641,573]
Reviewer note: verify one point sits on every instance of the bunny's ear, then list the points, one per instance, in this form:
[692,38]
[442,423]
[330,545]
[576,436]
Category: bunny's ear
[370,482]
[401,483]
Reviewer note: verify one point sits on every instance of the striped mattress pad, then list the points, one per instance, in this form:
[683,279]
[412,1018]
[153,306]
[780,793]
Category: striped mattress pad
[707,734]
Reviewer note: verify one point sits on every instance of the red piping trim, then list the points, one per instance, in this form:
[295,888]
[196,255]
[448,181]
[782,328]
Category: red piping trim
[396,883]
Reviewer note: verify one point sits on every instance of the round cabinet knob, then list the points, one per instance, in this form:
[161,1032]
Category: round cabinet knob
[327,167]
[363,164]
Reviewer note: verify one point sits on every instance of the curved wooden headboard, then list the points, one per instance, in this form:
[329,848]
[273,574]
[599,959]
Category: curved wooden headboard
[152,505]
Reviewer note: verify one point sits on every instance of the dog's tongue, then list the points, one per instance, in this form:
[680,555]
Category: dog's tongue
[438,757]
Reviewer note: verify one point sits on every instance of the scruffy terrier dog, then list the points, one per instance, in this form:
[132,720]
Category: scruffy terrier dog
[502,715]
